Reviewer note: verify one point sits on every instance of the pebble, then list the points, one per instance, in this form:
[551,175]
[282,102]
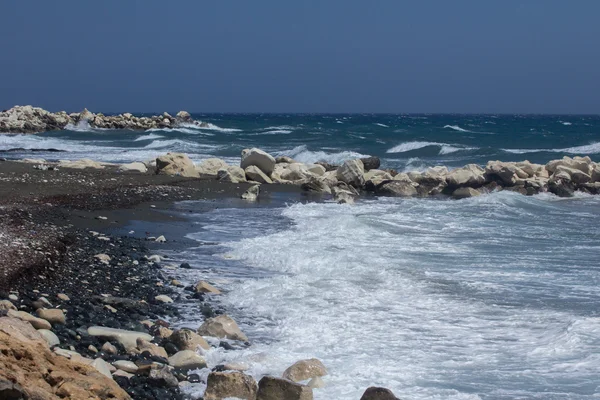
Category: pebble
[109,348]
[92,348]
[63,297]
[52,315]
[13,297]
[127,366]
[50,337]
[163,298]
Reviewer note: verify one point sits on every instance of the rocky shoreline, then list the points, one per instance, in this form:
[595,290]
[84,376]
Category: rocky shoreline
[28,119]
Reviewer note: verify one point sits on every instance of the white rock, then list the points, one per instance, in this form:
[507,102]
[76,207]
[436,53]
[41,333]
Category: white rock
[210,167]
[103,258]
[187,359]
[222,326]
[160,239]
[176,164]
[352,172]
[134,166]
[127,366]
[253,173]
[252,193]
[102,366]
[163,298]
[256,157]
[231,174]
[126,338]
[49,337]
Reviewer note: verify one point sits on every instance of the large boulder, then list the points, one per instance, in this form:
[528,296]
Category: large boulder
[52,315]
[261,159]
[305,369]
[575,175]
[378,393]
[252,193]
[176,164]
[253,173]
[313,184]
[352,173]
[183,116]
[231,174]
[186,339]
[370,163]
[134,166]
[316,169]
[222,326]
[465,192]
[583,164]
[37,323]
[470,175]
[223,385]
[396,188]
[210,167]
[271,388]
[81,164]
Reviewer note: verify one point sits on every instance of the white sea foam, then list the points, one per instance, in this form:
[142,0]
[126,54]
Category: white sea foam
[593,148]
[83,126]
[180,145]
[302,154]
[456,128]
[150,136]
[445,148]
[425,282]
[182,129]
[565,123]
[382,125]
[272,132]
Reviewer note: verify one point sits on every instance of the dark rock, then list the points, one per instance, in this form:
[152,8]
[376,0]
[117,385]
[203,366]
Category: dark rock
[193,378]
[185,265]
[226,346]
[371,163]
[378,393]
[170,348]
[11,391]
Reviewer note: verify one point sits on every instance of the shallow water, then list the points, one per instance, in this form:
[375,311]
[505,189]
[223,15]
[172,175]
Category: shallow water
[486,298]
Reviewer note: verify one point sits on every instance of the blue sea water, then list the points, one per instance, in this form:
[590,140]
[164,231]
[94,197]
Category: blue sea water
[401,141]
[493,297]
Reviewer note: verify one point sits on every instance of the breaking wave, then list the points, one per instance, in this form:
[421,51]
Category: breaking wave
[272,132]
[444,148]
[593,148]
[151,136]
[382,125]
[303,155]
[456,128]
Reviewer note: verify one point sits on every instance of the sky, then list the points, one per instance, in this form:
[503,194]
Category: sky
[326,56]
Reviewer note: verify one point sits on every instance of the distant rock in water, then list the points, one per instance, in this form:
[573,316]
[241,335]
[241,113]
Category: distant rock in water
[24,150]
[28,119]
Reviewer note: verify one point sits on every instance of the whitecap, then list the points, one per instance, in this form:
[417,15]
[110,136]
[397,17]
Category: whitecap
[382,125]
[456,128]
[272,132]
[445,148]
[303,155]
[593,148]
[151,136]
[565,123]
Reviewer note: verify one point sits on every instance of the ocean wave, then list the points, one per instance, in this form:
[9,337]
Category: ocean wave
[182,129]
[565,123]
[178,144]
[151,136]
[283,127]
[593,148]
[272,132]
[83,126]
[211,127]
[382,125]
[303,155]
[445,148]
[456,128]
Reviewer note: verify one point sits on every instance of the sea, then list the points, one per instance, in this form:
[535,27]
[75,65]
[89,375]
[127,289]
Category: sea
[492,297]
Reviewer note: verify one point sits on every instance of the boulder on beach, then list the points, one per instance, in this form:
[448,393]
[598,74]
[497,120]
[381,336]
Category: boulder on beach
[186,339]
[396,188]
[223,385]
[252,193]
[258,158]
[370,163]
[253,173]
[470,175]
[81,164]
[210,167]
[205,287]
[183,116]
[126,338]
[37,323]
[187,359]
[222,326]
[231,174]
[176,164]
[52,315]
[352,172]
[304,370]
[271,388]
[134,166]
[465,192]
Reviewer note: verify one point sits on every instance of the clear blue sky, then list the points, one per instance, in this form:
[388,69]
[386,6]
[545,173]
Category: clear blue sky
[536,56]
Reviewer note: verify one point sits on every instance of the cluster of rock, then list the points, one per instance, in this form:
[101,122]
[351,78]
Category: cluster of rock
[562,177]
[28,119]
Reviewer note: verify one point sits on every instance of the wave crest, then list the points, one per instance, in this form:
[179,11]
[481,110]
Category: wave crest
[303,155]
[593,148]
[444,148]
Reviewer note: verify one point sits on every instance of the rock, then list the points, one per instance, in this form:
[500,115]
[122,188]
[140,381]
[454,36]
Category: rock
[313,184]
[209,168]
[465,192]
[109,348]
[183,116]
[506,173]
[575,175]
[13,297]
[305,369]
[222,326]
[403,177]
[176,164]
[127,338]
[222,385]
[52,315]
[377,175]
[352,173]
[134,166]
[583,164]
[328,167]
[127,366]
[160,239]
[252,193]
[37,323]
[294,172]
[85,115]
[370,163]
[21,331]
[284,160]
[11,391]
[7,305]
[187,359]
[205,287]
[470,175]
[253,173]
[103,258]
[155,350]
[163,298]
[186,339]
[80,164]
[258,158]
[38,373]
[49,337]
[63,297]
[271,388]
[378,393]
[123,374]
[396,188]
[231,174]
[162,377]
[102,366]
